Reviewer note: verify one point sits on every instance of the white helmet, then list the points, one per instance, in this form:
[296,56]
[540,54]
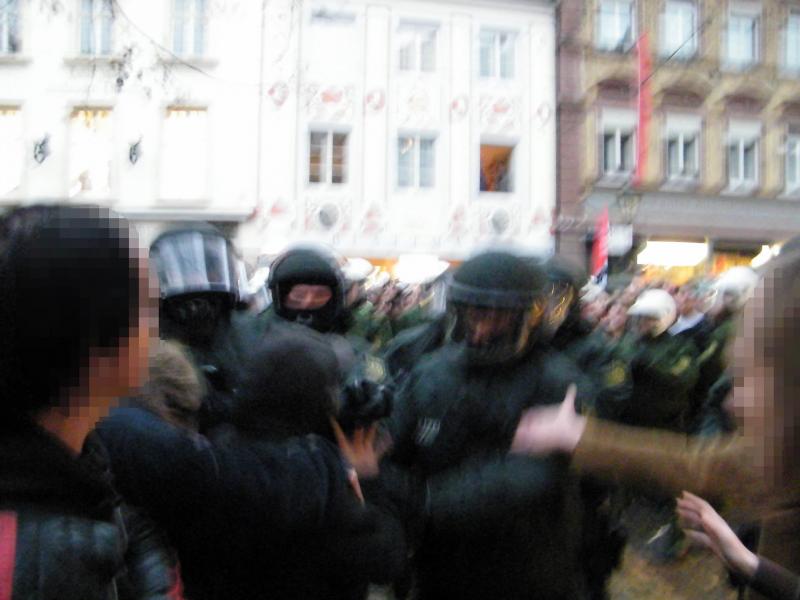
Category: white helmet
[658,305]
[357,270]
[735,286]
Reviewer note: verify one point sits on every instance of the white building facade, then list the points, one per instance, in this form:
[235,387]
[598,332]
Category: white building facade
[380,128]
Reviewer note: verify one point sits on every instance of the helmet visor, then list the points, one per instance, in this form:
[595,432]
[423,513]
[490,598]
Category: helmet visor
[193,262]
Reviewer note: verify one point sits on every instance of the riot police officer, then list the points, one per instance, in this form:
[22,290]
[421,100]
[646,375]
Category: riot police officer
[308,288]
[490,524]
[198,276]
[575,337]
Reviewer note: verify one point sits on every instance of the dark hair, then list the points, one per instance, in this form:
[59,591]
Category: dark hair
[69,285]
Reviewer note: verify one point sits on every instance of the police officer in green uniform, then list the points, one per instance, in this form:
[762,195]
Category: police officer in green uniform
[490,523]
[664,368]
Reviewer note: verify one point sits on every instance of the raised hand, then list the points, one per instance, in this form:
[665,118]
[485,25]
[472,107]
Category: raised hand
[549,429]
[706,528]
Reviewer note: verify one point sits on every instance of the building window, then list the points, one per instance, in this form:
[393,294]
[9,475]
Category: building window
[327,157]
[497,168]
[185,150]
[682,152]
[189,27]
[417,51]
[793,164]
[97,18]
[9,27]
[615,25]
[793,42]
[743,157]
[743,39]
[416,161]
[678,29]
[12,150]
[90,152]
[618,152]
[682,147]
[497,50]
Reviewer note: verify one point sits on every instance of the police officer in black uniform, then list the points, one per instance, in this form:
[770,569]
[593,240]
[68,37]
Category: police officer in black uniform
[198,277]
[490,524]
[575,337]
[308,288]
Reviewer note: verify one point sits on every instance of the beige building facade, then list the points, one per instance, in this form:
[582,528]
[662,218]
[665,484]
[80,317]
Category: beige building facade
[722,142]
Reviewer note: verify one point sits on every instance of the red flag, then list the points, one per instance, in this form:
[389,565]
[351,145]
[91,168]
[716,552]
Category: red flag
[600,249]
[645,106]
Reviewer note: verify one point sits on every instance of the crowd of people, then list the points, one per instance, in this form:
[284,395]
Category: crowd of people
[161,439]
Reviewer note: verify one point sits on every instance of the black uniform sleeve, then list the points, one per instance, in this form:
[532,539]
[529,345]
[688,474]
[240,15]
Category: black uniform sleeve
[775,582]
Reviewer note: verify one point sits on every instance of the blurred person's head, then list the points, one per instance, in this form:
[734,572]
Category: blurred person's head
[565,281]
[75,316]
[496,300]
[733,288]
[615,319]
[692,297]
[766,366]
[652,313]
[174,388]
[291,385]
[308,288]
[200,281]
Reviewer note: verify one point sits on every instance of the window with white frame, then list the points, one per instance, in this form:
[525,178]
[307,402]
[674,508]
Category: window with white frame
[682,147]
[617,143]
[616,24]
[793,161]
[189,27]
[792,42]
[417,47]
[185,154]
[90,152]
[96,22]
[9,27]
[679,29]
[742,38]
[497,168]
[416,161]
[327,157]
[743,142]
[497,54]
[12,149]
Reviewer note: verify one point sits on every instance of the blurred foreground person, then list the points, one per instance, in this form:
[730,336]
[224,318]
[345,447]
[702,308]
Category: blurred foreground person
[292,388]
[64,535]
[756,471]
[489,524]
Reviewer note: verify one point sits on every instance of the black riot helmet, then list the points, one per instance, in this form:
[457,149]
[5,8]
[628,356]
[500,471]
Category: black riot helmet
[198,279]
[564,282]
[496,302]
[308,266]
